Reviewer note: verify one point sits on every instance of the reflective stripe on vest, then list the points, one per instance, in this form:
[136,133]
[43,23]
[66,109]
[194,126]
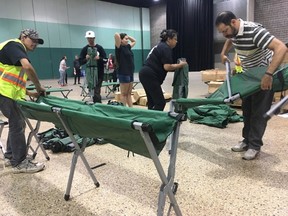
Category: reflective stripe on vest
[12,78]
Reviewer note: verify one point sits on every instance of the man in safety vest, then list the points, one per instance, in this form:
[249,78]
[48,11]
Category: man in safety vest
[15,68]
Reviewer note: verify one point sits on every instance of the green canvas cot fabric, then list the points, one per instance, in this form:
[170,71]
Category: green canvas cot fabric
[243,84]
[213,115]
[113,123]
[180,82]
[249,82]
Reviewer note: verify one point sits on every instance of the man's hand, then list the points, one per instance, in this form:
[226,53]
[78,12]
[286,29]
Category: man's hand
[41,91]
[266,82]
[224,59]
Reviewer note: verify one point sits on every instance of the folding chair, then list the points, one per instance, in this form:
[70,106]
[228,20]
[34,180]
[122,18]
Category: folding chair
[147,131]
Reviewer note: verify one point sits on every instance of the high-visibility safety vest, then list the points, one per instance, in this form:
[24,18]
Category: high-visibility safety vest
[12,78]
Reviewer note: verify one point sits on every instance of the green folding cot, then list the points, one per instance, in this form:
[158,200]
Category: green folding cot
[147,131]
[237,86]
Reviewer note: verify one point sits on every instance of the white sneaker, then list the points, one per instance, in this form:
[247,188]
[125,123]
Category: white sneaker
[250,154]
[7,162]
[27,166]
[240,147]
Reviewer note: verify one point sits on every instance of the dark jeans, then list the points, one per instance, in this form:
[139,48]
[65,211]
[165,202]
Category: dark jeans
[16,144]
[78,75]
[254,107]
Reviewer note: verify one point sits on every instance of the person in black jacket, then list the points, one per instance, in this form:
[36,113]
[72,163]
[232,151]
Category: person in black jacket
[94,56]
[76,70]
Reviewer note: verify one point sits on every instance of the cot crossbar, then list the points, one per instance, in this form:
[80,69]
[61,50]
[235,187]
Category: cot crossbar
[147,131]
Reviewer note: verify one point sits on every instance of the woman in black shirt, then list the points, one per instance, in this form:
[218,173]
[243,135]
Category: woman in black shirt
[156,66]
[125,65]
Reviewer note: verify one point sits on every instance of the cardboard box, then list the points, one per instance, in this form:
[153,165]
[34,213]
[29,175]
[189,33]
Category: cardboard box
[118,97]
[237,103]
[213,75]
[138,93]
[277,96]
[213,86]
[167,96]
[142,101]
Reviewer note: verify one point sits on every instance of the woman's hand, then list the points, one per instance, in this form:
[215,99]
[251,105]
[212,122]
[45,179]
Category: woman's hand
[182,63]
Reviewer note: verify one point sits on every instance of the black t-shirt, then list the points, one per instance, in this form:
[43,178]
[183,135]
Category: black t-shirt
[157,57]
[12,53]
[125,60]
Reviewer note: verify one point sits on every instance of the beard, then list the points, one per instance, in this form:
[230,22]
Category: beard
[234,33]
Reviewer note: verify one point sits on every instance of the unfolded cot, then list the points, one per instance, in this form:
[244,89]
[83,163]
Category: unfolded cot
[138,130]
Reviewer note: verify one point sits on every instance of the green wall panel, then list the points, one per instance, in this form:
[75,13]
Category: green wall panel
[67,39]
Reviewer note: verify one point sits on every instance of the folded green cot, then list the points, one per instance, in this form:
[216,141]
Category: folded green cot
[134,129]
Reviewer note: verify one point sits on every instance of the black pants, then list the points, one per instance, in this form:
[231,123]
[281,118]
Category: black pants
[97,90]
[78,75]
[254,107]
[152,87]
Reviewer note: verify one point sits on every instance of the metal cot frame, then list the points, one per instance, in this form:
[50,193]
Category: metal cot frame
[168,186]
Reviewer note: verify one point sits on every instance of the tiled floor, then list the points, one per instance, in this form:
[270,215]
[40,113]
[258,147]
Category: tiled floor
[212,179]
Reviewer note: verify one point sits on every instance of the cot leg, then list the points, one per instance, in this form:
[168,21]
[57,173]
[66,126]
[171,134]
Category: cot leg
[167,187]
[33,132]
[71,175]
[66,95]
[110,90]
[167,181]
[78,152]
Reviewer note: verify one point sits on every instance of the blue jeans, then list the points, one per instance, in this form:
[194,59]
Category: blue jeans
[16,143]
[62,80]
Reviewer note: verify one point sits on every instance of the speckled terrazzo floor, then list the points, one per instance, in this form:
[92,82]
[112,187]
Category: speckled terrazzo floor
[212,179]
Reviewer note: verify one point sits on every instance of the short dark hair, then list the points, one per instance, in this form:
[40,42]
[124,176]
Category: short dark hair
[168,33]
[225,18]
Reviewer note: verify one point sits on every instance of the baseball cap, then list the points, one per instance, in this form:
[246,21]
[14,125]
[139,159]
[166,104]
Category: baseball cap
[33,34]
[90,34]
